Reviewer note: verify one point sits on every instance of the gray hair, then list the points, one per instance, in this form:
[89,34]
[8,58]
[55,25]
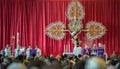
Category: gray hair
[17,66]
[95,63]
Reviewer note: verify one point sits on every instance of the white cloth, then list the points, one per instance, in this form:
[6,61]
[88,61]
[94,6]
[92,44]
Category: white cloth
[77,51]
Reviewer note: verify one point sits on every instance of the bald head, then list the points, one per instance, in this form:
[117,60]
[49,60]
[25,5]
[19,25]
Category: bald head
[95,63]
[16,66]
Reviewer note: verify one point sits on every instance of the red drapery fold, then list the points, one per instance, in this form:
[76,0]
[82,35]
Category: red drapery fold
[30,18]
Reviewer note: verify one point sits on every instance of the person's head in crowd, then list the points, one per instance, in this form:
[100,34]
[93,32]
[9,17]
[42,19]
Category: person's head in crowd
[86,56]
[64,56]
[16,65]
[7,45]
[111,67]
[36,65]
[58,57]
[20,58]
[56,65]
[114,55]
[70,57]
[7,61]
[76,58]
[79,65]
[117,65]
[80,57]
[113,62]
[95,63]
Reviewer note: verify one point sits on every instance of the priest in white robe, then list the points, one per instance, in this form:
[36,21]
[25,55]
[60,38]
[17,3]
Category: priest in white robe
[77,50]
[38,51]
[28,52]
[22,50]
[7,51]
[17,51]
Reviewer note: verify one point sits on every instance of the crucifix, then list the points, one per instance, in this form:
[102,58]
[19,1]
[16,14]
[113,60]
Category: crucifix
[75,14]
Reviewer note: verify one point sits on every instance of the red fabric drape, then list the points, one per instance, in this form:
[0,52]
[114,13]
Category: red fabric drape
[30,18]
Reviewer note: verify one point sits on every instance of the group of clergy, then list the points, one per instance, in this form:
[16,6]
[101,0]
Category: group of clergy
[95,50]
[19,50]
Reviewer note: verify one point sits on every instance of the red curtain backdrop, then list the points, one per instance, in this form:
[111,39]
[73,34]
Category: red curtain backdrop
[30,18]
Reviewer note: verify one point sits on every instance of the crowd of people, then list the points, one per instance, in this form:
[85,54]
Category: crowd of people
[59,62]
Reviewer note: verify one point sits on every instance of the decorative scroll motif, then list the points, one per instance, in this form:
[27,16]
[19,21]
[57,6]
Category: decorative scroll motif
[75,25]
[56,30]
[95,30]
[75,11]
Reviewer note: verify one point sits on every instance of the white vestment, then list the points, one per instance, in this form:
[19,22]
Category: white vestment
[22,51]
[17,52]
[7,52]
[38,52]
[77,51]
[94,51]
[28,53]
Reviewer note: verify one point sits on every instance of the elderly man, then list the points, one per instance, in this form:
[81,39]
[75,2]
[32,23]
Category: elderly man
[28,52]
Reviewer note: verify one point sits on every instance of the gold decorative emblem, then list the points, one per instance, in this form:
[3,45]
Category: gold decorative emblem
[75,11]
[56,30]
[95,30]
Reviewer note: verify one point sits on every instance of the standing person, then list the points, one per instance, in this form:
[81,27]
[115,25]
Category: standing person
[17,51]
[28,52]
[87,50]
[7,51]
[38,51]
[77,50]
[94,50]
[22,50]
[100,50]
